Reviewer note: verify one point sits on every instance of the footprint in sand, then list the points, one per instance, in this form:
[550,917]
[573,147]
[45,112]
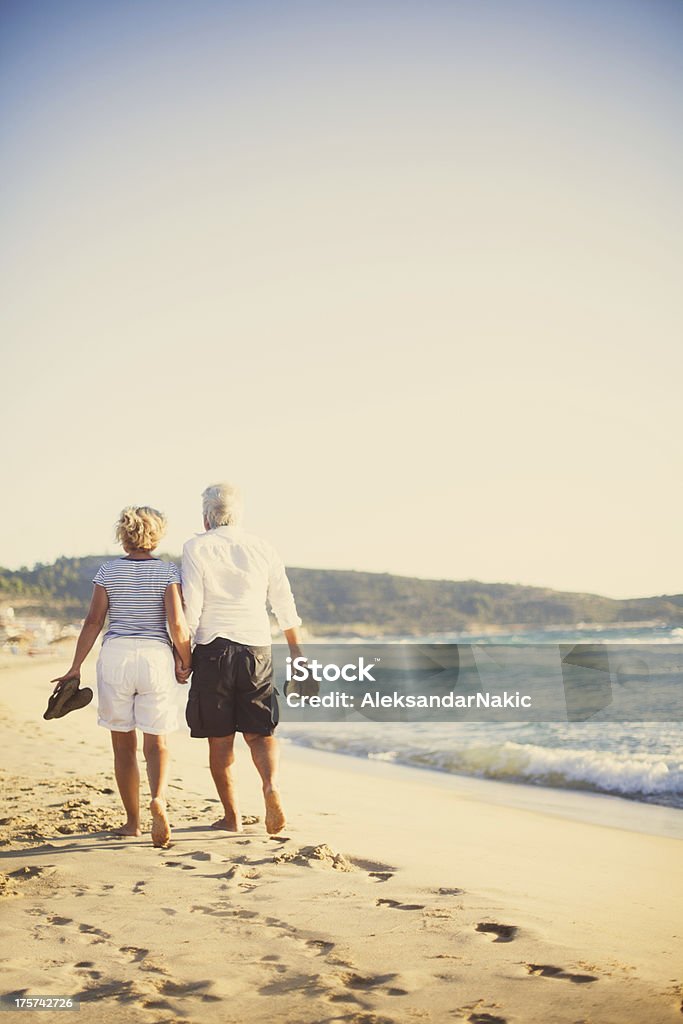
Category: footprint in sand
[315,856]
[485,1018]
[367,1018]
[502,932]
[212,911]
[174,988]
[286,983]
[90,929]
[321,947]
[157,1004]
[365,983]
[95,935]
[548,971]
[136,953]
[34,880]
[179,864]
[25,874]
[152,968]
[121,991]
[374,868]
[397,905]
[238,874]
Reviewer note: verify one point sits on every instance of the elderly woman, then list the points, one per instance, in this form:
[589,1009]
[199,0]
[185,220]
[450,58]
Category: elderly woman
[228,575]
[136,669]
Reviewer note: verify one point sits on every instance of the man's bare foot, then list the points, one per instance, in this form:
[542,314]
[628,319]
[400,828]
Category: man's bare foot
[275,816]
[161,830]
[227,825]
[129,830]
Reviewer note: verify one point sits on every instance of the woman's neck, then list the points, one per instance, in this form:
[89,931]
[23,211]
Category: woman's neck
[138,555]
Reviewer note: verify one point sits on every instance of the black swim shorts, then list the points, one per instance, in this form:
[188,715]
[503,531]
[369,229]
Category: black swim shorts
[232,690]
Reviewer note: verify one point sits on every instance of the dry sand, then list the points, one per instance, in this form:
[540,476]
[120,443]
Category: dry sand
[392,895]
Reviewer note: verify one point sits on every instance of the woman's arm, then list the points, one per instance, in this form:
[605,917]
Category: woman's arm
[92,626]
[179,630]
[193,589]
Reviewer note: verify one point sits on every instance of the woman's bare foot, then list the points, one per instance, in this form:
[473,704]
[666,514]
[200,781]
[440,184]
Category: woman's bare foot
[161,830]
[129,830]
[275,816]
[225,824]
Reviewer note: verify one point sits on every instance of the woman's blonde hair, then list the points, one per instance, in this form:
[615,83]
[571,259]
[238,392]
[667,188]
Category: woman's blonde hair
[140,528]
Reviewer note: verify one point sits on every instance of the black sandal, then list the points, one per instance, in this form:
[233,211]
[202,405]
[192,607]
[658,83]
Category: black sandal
[68,698]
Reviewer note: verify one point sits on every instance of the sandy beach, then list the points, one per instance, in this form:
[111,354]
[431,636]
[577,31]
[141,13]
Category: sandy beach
[393,894]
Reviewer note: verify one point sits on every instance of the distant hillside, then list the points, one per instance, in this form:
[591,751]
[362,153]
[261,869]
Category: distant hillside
[401,604]
[334,601]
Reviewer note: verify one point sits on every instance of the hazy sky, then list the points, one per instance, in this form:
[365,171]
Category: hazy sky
[410,273]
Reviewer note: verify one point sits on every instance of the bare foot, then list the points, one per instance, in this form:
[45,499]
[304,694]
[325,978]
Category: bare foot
[275,816]
[161,831]
[227,826]
[126,831]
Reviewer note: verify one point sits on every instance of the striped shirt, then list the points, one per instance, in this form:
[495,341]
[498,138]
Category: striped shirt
[136,588]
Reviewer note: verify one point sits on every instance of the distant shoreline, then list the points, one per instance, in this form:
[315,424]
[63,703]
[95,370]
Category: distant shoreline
[348,604]
[491,629]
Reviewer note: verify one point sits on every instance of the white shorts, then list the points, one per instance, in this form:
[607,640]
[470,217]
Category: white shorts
[136,686]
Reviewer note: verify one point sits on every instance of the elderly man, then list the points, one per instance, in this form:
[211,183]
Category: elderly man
[228,574]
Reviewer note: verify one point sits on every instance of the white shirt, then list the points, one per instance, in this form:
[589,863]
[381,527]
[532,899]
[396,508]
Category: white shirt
[228,575]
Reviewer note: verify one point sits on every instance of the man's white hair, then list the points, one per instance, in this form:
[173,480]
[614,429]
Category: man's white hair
[222,505]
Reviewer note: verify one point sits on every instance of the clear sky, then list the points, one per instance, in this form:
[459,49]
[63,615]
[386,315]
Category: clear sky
[409,272]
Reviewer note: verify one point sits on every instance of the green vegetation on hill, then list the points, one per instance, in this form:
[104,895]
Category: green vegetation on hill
[61,590]
[335,601]
[404,605]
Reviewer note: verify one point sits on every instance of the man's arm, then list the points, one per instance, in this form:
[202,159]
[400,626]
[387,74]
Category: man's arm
[282,602]
[180,634]
[293,638]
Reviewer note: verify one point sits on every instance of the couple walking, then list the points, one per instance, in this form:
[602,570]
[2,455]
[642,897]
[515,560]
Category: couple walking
[156,613]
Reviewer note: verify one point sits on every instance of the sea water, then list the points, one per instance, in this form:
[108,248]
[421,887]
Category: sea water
[636,760]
